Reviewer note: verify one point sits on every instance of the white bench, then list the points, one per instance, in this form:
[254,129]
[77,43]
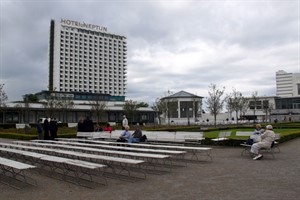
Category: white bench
[21,126]
[54,164]
[243,133]
[15,170]
[94,148]
[94,135]
[99,144]
[195,151]
[139,146]
[71,125]
[151,158]
[222,136]
[112,162]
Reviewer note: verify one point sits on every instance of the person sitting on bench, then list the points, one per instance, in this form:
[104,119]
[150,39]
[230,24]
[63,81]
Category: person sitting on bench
[267,139]
[137,134]
[125,136]
[255,137]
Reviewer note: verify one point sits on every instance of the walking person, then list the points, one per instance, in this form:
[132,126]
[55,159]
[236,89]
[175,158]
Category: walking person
[124,122]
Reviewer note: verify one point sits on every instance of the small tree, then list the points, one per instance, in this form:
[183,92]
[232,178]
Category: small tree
[214,101]
[130,108]
[236,102]
[160,108]
[98,108]
[31,98]
[143,105]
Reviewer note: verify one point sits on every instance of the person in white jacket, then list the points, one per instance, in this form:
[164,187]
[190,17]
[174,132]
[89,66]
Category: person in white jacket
[124,122]
[267,139]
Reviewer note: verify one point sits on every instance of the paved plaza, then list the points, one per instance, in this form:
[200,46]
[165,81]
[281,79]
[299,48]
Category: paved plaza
[229,176]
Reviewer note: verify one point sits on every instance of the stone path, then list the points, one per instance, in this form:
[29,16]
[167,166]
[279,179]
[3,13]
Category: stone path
[229,176]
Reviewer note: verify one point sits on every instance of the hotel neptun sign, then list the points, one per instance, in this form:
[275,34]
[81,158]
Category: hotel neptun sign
[84,25]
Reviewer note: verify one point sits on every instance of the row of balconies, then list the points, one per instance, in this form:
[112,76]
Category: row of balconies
[90,87]
[85,76]
[96,51]
[75,70]
[94,61]
[93,35]
[70,46]
[85,38]
[91,64]
[121,93]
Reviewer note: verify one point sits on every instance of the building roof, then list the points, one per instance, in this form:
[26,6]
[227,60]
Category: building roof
[182,94]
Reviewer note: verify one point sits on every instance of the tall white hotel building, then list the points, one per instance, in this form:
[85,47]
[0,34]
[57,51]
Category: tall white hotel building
[86,58]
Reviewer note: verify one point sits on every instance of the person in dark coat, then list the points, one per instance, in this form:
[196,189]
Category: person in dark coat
[88,125]
[80,125]
[53,128]
[46,127]
[39,129]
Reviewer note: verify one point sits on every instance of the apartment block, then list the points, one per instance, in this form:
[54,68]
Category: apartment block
[287,84]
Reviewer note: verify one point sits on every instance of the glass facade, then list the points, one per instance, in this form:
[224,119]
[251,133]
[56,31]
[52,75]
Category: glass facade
[287,103]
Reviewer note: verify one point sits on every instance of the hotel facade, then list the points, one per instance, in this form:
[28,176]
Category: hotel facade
[86,58]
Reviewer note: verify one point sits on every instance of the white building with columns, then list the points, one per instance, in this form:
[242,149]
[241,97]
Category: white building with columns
[182,108]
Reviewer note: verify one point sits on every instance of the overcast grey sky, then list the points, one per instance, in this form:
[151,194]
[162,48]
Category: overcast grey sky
[172,45]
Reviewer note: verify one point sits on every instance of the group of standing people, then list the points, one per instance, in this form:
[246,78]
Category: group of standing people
[47,129]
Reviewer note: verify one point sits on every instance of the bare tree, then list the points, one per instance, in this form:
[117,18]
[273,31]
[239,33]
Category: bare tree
[214,101]
[254,103]
[244,106]
[65,104]
[21,110]
[3,99]
[3,96]
[98,108]
[52,104]
[236,102]
[267,108]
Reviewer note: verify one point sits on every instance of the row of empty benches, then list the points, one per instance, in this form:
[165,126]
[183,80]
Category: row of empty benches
[162,136]
[91,162]
[166,136]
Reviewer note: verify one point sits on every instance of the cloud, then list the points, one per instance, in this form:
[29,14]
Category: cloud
[172,45]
